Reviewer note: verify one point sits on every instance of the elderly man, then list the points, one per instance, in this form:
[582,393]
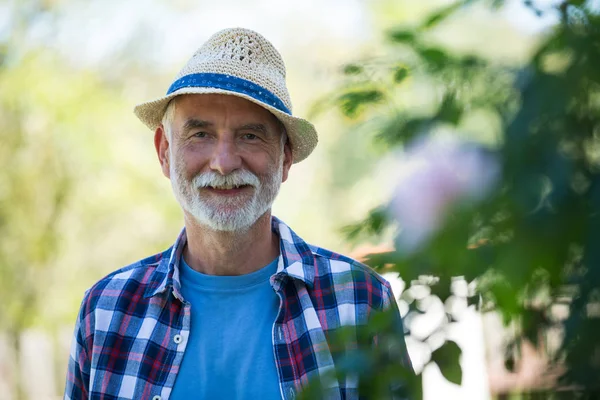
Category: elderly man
[239,307]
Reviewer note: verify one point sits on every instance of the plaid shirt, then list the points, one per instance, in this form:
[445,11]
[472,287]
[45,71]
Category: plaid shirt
[133,326]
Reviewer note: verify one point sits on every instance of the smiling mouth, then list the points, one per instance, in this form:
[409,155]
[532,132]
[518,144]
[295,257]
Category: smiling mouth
[228,189]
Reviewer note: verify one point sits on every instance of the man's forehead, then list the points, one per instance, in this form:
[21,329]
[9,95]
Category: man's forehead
[210,106]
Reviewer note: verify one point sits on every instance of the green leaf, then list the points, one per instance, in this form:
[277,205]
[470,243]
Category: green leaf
[473,301]
[372,226]
[434,57]
[351,103]
[446,357]
[533,323]
[400,74]
[509,363]
[442,288]
[439,16]
[471,61]
[450,111]
[402,36]
[400,130]
[353,69]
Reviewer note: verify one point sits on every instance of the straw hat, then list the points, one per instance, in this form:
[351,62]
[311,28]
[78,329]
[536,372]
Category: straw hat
[238,62]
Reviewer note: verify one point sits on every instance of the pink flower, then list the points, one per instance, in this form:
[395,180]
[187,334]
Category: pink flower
[434,173]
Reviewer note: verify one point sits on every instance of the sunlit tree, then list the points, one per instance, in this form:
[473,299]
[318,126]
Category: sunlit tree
[516,218]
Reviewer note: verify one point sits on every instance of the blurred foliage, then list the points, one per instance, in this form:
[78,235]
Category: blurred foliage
[67,191]
[380,369]
[29,207]
[532,244]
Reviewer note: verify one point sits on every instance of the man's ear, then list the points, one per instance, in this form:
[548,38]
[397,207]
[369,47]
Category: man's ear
[288,159]
[161,143]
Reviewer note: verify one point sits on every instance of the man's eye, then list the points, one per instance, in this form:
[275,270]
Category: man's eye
[200,134]
[250,136]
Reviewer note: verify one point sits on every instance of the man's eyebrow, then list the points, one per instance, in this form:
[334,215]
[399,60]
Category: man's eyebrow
[194,123]
[254,127]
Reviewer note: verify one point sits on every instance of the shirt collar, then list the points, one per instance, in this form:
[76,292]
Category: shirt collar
[166,274]
[295,260]
[296,257]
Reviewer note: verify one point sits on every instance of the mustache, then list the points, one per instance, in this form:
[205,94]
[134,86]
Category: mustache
[236,178]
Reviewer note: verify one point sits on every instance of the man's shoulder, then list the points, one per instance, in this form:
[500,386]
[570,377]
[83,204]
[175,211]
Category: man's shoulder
[133,279]
[323,263]
[336,263]
[347,275]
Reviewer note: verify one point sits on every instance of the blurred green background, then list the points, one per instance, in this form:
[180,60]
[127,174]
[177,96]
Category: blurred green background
[81,192]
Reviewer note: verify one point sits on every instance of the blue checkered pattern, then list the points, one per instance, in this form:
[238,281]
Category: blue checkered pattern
[133,325]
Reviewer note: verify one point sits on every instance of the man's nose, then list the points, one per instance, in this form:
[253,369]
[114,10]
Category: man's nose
[225,158]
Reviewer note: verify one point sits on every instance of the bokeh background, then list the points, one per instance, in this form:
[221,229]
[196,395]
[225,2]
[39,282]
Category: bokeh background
[81,192]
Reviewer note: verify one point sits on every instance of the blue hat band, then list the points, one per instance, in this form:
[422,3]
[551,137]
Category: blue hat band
[231,84]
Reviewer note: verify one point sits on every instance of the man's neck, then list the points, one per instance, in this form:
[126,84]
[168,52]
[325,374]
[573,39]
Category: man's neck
[230,253]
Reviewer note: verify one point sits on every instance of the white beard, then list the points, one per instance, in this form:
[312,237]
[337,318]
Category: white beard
[231,213]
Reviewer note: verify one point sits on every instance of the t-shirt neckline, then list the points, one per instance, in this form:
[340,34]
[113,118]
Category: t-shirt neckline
[220,282]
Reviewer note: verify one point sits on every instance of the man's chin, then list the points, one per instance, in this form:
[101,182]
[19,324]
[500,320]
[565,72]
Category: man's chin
[228,222]
[226,217]
[237,205]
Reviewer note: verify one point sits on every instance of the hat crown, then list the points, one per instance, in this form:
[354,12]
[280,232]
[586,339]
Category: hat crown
[245,54]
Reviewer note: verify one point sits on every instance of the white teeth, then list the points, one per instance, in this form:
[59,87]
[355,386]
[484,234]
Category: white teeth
[225,187]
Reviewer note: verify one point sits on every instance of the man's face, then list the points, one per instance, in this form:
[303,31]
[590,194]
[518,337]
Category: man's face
[225,160]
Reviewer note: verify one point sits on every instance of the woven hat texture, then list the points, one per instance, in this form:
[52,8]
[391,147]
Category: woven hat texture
[238,62]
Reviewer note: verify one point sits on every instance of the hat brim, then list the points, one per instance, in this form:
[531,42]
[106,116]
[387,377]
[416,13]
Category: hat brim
[302,135]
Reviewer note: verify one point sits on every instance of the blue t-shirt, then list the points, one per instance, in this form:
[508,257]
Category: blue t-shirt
[230,350]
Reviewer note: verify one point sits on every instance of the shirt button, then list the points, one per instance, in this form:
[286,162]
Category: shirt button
[157,397]
[177,339]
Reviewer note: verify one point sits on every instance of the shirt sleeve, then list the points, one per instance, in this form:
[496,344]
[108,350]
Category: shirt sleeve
[78,370]
[397,325]
[401,387]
